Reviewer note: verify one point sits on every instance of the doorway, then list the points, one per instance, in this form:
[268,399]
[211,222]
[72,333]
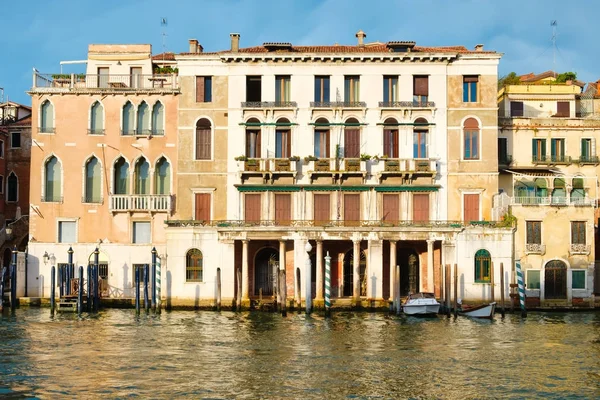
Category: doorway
[555,280]
[408,260]
[265,262]
[349,273]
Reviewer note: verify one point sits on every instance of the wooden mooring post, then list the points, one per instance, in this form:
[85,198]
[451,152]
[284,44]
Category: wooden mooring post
[218,289]
[502,288]
[238,300]
[455,290]
[283,291]
[492,282]
[447,289]
[397,298]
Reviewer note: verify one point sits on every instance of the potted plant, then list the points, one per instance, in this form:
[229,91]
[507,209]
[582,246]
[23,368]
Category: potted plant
[294,158]
[241,158]
[308,159]
[365,157]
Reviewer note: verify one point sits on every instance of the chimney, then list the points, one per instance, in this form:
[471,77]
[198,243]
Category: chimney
[361,38]
[235,42]
[478,47]
[193,45]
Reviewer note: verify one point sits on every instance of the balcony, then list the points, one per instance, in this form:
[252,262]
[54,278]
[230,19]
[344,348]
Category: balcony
[338,104]
[589,160]
[552,160]
[337,168]
[269,104]
[140,202]
[535,248]
[143,132]
[82,83]
[267,168]
[407,167]
[580,249]
[552,201]
[406,104]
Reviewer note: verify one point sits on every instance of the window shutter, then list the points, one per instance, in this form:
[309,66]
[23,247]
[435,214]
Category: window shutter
[283,208]
[593,147]
[516,108]
[562,109]
[258,135]
[351,207]
[327,153]
[387,133]
[199,89]
[322,208]
[352,143]
[252,206]
[391,207]
[421,85]
[202,207]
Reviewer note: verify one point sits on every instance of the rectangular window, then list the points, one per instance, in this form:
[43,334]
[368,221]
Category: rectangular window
[557,150]
[322,89]
[283,143]
[15,140]
[103,77]
[420,144]
[283,209]
[538,150]
[470,88]
[282,88]
[420,207]
[578,279]
[578,232]
[135,75]
[562,109]
[1,184]
[391,208]
[503,151]
[471,144]
[322,143]
[351,89]
[390,143]
[516,108]
[533,279]
[390,89]
[534,232]
[1,148]
[252,205]
[253,88]
[202,206]
[322,208]
[253,143]
[351,142]
[351,209]
[67,232]
[420,89]
[471,207]
[203,89]
[141,232]
[588,150]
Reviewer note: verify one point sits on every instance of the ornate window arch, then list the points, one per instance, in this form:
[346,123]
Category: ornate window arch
[194,266]
[93,181]
[483,261]
[96,119]
[471,139]
[121,176]
[128,119]
[12,187]
[52,180]
[162,176]
[143,119]
[158,119]
[47,117]
[420,138]
[203,139]
[142,176]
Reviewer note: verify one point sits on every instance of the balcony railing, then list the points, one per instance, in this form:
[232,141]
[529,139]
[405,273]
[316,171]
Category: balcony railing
[532,114]
[268,165]
[535,248]
[403,165]
[589,160]
[552,201]
[140,202]
[95,131]
[556,159]
[269,104]
[66,82]
[406,104]
[583,249]
[338,104]
[323,224]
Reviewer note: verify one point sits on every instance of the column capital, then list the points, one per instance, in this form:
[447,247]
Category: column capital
[245,241]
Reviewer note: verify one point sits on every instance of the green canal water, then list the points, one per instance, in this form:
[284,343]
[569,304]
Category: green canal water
[259,355]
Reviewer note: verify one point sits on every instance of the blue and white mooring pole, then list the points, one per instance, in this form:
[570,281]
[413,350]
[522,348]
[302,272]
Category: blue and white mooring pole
[520,283]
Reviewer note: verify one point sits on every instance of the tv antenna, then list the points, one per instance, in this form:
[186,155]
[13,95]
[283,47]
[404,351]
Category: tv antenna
[554,24]
[164,23]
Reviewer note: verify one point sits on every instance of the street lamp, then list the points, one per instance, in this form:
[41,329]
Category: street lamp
[45,257]
[9,231]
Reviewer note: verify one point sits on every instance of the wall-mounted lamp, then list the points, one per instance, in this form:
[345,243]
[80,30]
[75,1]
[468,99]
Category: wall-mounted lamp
[45,257]
[9,231]
[118,62]
[52,259]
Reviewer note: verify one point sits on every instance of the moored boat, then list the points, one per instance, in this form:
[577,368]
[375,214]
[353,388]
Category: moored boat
[483,311]
[421,304]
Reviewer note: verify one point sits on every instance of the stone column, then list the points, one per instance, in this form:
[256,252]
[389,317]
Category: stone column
[356,271]
[430,286]
[245,281]
[374,271]
[319,277]
[392,268]
[282,254]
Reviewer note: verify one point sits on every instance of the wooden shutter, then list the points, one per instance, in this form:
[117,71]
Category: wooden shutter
[322,208]
[352,143]
[199,89]
[390,143]
[202,207]
[516,108]
[421,207]
[421,85]
[351,209]
[502,150]
[252,206]
[471,207]
[562,109]
[391,207]
[249,134]
[203,143]
[283,209]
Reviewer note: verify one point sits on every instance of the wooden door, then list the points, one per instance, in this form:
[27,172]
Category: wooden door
[103,77]
[322,208]
[202,207]
[252,206]
[136,77]
[391,208]
[471,207]
[555,280]
[283,209]
[351,209]
[352,143]
[420,207]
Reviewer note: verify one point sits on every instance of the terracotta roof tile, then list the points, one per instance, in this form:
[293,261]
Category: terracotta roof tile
[168,56]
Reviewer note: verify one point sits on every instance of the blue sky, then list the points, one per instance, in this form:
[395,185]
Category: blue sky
[41,33]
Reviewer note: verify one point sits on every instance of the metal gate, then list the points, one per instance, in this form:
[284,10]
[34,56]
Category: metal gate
[266,262]
[555,280]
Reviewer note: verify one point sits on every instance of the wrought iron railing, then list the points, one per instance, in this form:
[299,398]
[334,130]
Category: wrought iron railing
[589,160]
[111,82]
[46,129]
[406,104]
[338,104]
[555,159]
[52,199]
[140,202]
[95,131]
[269,104]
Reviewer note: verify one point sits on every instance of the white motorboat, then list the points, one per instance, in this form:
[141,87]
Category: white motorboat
[421,304]
[483,311]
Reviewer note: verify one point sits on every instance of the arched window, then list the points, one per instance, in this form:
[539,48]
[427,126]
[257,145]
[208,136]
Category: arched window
[203,140]
[420,138]
[52,171]
[559,193]
[128,119]
[253,138]
[578,191]
[541,187]
[162,175]
[193,266]
[483,261]
[143,119]
[283,139]
[12,188]
[92,181]
[47,117]
[322,138]
[471,139]
[142,176]
[390,138]
[158,118]
[352,138]
[97,119]
[121,176]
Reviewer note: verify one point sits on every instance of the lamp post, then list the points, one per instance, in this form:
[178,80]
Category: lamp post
[307,268]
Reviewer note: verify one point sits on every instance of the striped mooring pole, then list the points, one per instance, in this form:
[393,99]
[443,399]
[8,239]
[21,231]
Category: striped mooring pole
[327,284]
[157,288]
[520,282]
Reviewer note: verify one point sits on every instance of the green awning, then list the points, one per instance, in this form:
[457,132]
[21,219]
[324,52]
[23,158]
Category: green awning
[337,124]
[267,124]
[331,188]
[406,188]
[268,188]
[405,124]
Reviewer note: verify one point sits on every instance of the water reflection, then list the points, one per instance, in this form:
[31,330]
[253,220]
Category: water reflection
[251,355]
